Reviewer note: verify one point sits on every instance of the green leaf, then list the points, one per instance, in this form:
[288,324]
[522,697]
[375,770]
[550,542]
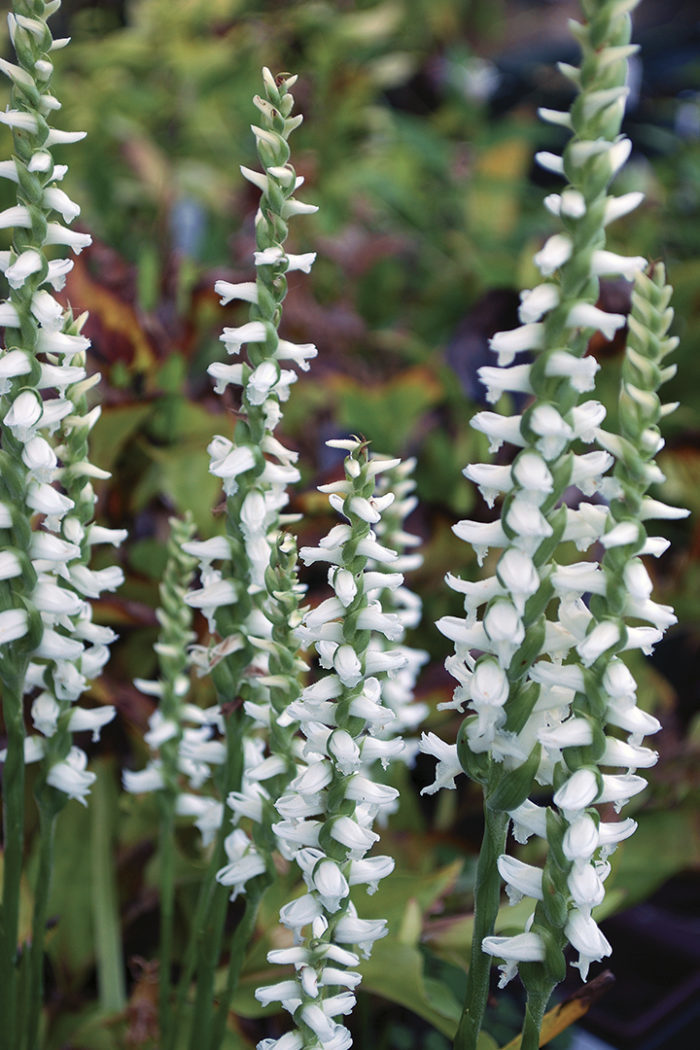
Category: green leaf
[388,414]
[486,1042]
[105,910]
[70,944]
[113,430]
[181,474]
[395,971]
[91,1029]
[398,891]
[664,843]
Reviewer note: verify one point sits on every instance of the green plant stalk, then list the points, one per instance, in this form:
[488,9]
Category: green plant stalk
[537,999]
[210,934]
[209,945]
[205,935]
[110,965]
[206,938]
[167,912]
[486,904]
[577,283]
[199,924]
[13,827]
[176,621]
[20,1008]
[282,611]
[32,1012]
[23,984]
[230,675]
[241,938]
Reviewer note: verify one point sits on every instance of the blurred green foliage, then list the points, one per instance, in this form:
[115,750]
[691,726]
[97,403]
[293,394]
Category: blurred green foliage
[420,127]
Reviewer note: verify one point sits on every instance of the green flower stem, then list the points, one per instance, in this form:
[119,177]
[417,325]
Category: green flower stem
[166,832]
[252,430]
[486,905]
[241,939]
[105,907]
[13,827]
[211,936]
[176,621]
[47,827]
[537,999]
[208,930]
[189,961]
[283,611]
[16,593]
[23,984]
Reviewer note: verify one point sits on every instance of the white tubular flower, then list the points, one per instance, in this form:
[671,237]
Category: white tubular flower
[522,880]
[585,936]
[554,254]
[523,947]
[244,862]
[71,775]
[507,344]
[536,302]
[448,765]
[13,625]
[144,780]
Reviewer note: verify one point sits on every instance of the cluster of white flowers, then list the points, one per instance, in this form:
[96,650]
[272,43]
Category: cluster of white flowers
[181,735]
[539,668]
[255,469]
[601,689]
[45,424]
[330,805]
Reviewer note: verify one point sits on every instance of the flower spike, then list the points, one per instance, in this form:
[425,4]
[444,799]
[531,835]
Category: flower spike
[539,668]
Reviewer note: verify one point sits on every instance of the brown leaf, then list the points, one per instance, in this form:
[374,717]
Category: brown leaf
[115,325]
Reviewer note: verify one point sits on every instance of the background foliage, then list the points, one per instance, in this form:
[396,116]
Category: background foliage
[420,128]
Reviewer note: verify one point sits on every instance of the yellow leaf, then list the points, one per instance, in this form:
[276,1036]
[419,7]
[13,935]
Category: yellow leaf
[570,1011]
[410,930]
[492,205]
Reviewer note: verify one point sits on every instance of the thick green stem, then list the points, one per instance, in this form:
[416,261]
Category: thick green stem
[486,903]
[210,941]
[167,912]
[206,890]
[204,945]
[239,943]
[537,999]
[105,908]
[47,826]
[13,849]
[210,934]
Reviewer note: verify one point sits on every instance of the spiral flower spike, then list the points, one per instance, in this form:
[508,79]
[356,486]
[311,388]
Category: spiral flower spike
[255,467]
[329,808]
[247,655]
[48,642]
[529,717]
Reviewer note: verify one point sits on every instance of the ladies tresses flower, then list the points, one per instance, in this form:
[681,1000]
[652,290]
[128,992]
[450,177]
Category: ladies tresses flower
[248,590]
[49,642]
[337,716]
[168,738]
[255,467]
[553,683]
